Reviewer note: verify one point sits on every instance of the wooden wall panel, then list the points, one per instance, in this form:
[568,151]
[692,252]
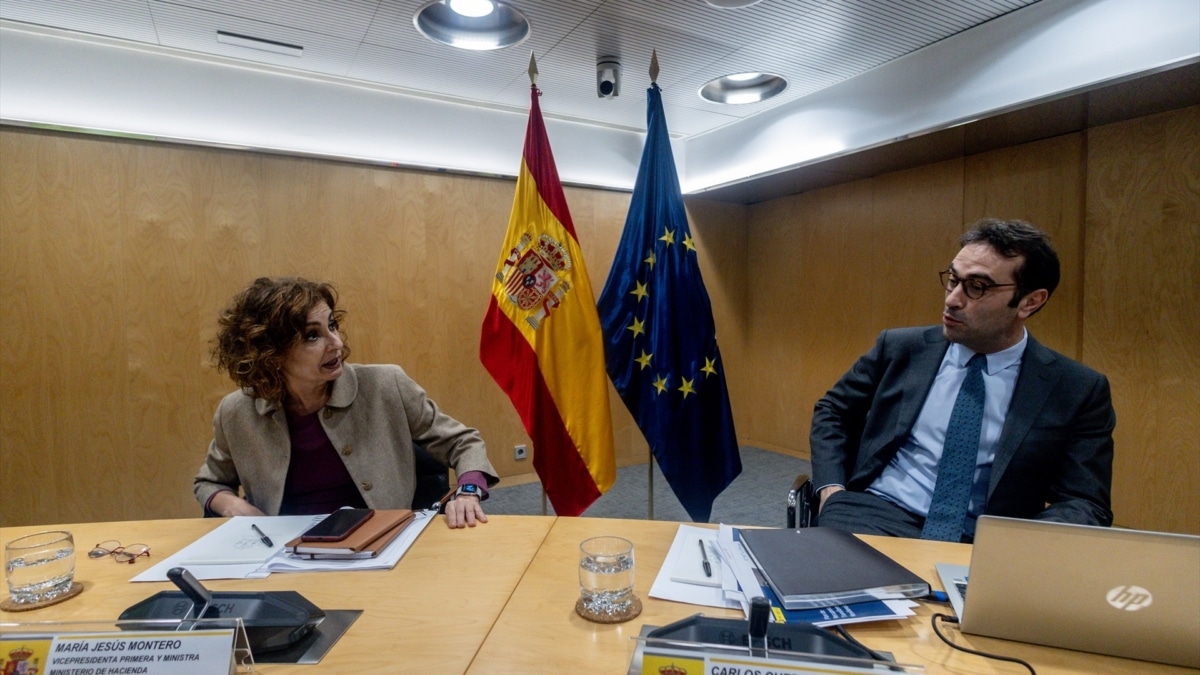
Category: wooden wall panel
[916,221]
[829,270]
[802,329]
[64,358]
[1141,319]
[1042,183]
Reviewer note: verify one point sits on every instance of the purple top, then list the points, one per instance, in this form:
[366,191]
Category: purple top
[317,480]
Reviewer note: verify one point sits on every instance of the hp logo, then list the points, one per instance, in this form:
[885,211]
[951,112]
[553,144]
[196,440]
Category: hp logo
[1130,598]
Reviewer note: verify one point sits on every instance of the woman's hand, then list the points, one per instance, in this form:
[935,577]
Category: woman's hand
[227,504]
[464,511]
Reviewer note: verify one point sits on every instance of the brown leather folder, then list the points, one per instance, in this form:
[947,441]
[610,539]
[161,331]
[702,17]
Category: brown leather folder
[365,542]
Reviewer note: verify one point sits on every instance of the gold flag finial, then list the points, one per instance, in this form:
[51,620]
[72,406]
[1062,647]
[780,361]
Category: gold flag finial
[532,70]
[653,66]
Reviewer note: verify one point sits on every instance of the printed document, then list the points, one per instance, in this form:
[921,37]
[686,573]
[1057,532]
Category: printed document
[227,553]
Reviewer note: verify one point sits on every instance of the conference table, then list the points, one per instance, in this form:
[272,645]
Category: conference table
[500,598]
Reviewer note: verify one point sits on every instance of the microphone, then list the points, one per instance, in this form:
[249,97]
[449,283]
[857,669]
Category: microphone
[760,615]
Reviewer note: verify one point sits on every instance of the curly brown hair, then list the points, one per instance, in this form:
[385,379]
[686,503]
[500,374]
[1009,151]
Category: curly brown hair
[261,323]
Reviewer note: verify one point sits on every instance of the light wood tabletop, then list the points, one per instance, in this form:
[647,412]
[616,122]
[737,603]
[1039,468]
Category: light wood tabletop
[539,632]
[500,598]
[429,614]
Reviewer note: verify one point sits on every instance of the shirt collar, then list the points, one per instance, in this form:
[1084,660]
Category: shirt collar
[1005,358]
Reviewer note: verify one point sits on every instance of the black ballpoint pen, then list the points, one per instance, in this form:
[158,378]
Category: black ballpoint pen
[262,536]
[704,557]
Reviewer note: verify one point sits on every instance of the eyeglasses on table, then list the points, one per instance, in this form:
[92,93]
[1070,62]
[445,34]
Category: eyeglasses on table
[119,553]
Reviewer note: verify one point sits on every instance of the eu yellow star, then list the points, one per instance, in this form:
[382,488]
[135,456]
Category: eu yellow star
[660,384]
[689,244]
[651,260]
[640,291]
[710,367]
[668,237]
[637,327]
[686,388]
[644,359]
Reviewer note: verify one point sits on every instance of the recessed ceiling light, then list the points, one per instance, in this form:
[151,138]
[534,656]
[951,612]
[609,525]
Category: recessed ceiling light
[472,8]
[742,77]
[741,88]
[445,22]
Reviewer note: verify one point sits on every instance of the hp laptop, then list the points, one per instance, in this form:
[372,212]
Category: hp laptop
[1126,593]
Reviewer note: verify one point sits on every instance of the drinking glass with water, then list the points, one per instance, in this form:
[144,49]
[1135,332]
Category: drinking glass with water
[606,580]
[40,567]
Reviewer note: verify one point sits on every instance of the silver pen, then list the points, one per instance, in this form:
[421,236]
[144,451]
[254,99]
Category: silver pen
[704,557]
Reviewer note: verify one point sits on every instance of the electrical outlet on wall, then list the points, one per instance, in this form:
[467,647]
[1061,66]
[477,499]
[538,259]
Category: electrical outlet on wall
[519,452]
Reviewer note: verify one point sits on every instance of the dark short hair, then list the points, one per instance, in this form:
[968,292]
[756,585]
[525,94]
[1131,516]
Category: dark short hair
[260,324]
[1013,238]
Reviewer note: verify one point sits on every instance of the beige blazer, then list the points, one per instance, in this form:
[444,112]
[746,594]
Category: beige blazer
[374,414]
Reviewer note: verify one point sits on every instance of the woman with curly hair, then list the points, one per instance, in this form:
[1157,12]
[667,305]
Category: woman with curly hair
[308,433]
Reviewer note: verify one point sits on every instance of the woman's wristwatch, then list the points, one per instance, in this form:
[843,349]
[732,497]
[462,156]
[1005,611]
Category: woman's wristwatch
[469,489]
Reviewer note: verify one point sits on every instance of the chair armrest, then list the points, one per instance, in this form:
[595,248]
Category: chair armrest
[801,503]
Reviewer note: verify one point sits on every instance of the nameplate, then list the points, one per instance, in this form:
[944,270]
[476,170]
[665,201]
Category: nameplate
[666,661]
[120,653]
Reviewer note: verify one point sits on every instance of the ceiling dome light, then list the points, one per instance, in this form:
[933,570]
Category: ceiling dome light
[741,88]
[472,8]
[742,77]
[442,21]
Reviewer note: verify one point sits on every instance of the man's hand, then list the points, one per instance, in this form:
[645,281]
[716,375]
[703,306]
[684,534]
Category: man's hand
[824,494]
[464,511]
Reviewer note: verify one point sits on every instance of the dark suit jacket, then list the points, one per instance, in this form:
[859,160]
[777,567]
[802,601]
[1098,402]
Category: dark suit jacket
[1053,459]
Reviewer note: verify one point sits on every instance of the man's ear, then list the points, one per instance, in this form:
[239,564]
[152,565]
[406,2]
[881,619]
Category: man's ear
[1032,302]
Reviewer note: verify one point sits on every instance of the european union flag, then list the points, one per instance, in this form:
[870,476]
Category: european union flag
[660,344]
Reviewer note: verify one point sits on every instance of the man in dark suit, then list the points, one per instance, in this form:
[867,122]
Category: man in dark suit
[881,436]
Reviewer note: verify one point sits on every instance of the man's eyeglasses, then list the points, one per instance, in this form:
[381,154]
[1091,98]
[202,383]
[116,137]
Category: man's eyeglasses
[121,554]
[974,288]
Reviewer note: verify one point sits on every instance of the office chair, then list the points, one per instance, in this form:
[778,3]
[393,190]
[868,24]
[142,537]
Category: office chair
[433,479]
[801,503]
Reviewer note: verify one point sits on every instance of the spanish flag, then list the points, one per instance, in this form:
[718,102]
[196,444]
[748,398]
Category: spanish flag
[541,338]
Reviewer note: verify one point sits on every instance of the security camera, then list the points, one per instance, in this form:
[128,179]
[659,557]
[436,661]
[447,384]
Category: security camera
[608,77]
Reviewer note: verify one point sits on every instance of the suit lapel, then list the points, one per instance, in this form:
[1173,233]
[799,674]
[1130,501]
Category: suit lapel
[1036,380]
[924,369]
[276,453]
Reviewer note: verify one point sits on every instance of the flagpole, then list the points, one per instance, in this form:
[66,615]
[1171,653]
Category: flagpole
[533,75]
[650,484]
[650,451]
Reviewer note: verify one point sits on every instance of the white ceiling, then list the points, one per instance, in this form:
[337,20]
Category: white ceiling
[863,74]
[811,43]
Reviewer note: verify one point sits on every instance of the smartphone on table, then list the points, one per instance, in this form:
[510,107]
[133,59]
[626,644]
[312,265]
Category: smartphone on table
[337,525]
